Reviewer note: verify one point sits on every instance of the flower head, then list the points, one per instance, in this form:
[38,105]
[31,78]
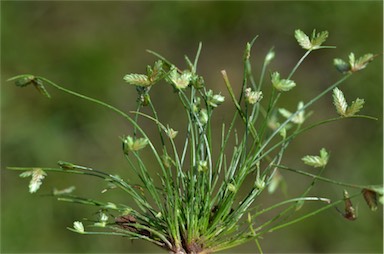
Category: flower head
[282,85]
[179,80]
[171,133]
[37,177]
[134,144]
[78,227]
[214,100]
[311,44]
[354,64]
[103,219]
[203,166]
[253,97]
[298,117]
[317,161]
[203,116]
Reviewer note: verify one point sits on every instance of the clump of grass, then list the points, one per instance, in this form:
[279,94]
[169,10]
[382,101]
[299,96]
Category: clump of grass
[202,204]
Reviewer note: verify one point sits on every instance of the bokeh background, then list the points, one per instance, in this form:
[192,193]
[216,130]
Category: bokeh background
[90,46]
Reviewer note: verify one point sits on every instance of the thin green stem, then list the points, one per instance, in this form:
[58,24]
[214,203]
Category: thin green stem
[300,131]
[237,105]
[308,214]
[298,64]
[197,57]
[293,200]
[133,122]
[232,94]
[257,154]
[324,179]
[157,118]
[304,216]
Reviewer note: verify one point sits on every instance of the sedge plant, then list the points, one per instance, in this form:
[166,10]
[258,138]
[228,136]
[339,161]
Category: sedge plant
[196,198]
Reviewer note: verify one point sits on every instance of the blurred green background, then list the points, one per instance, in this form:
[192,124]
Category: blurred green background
[90,46]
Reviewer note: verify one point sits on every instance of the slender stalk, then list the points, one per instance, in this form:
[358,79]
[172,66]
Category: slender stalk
[324,179]
[298,64]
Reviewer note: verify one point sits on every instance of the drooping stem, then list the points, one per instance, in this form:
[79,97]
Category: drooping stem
[324,179]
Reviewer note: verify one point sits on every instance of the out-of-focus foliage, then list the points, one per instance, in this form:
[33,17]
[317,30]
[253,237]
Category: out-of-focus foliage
[90,46]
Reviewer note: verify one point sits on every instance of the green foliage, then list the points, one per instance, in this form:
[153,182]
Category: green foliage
[197,206]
